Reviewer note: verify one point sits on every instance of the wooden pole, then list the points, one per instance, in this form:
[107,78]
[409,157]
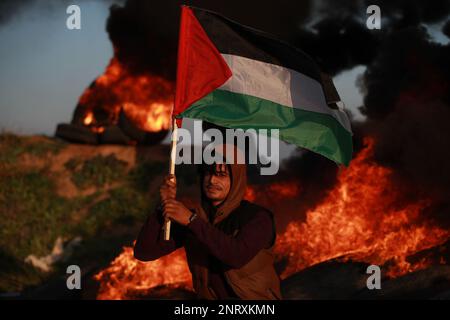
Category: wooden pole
[173,155]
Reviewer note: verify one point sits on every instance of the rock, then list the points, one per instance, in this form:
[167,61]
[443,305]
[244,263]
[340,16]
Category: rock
[423,284]
[327,280]
[347,280]
[114,135]
[76,133]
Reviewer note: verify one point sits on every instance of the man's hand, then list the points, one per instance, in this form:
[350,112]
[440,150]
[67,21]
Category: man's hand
[168,189]
[176,211]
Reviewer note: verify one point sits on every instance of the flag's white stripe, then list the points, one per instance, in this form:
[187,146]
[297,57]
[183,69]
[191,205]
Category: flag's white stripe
[280,85]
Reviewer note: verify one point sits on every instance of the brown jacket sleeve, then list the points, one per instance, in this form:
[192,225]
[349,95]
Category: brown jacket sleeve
[150,244]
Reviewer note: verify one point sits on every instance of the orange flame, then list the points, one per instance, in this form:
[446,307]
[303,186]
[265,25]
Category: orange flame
[126,276]
[146,99]
[89,118]
[358,220]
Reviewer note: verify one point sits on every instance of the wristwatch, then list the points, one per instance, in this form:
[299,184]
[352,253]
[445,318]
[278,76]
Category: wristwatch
[192,217]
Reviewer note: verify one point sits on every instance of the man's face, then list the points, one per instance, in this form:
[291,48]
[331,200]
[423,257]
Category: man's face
[217,183]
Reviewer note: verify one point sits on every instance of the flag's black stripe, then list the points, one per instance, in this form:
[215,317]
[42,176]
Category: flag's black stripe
[230,37]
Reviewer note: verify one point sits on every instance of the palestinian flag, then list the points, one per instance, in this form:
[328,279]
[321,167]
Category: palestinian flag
[238,77]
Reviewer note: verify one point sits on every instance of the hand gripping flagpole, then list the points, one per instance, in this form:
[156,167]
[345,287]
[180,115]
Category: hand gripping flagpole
[173,155]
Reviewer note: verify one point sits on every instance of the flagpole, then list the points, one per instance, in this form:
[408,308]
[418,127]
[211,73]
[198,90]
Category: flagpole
[173,154]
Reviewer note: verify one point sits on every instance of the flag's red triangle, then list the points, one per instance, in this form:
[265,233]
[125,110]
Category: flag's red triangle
[201,68]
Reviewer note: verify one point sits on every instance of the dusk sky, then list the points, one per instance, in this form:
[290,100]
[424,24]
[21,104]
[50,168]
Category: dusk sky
[45,67]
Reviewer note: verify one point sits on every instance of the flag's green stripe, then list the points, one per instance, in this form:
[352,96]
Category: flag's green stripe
[314,131]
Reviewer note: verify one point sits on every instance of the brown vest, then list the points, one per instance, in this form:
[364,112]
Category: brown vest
[257,280]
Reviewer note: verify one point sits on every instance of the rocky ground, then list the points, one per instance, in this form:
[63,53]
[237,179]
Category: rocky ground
[54,193]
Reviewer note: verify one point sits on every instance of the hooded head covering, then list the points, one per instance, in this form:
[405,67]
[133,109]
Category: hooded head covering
[238,185]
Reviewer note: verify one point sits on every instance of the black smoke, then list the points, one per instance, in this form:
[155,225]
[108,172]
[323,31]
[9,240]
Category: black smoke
[144,33]
[407,93]
[406,82]
[408,110]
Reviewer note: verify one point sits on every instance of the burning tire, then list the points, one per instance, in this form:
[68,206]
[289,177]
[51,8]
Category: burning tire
[137,134]
[76,133]
[114,135]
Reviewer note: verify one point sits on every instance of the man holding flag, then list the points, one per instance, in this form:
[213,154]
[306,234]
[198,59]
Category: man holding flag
[228,240]
[237,77]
